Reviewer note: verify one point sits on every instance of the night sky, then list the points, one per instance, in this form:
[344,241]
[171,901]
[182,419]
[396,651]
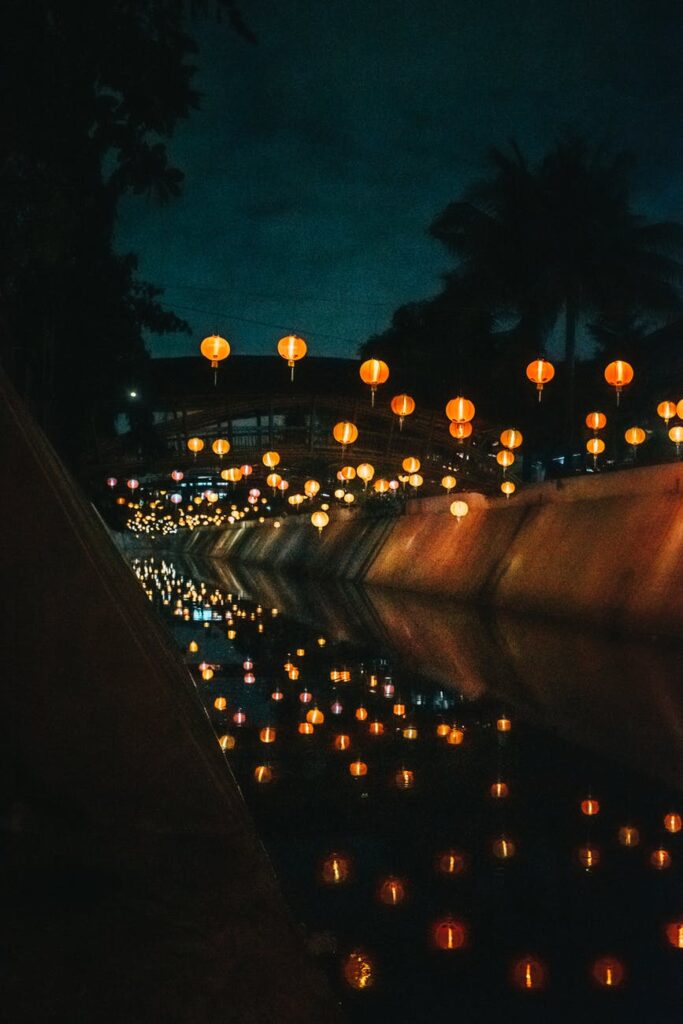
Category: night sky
[321,154]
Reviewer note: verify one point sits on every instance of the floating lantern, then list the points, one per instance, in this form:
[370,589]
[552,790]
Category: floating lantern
[459,509]
[268,734]
[618,374]
[511,438]
[540,372]
[667,411]
[365,472]
[336,869]
[590,807]
[635,436]
[374,372]
[220,447]
[392,892]
[628,835]
[595,446]
[528,974]
[215,349]
[311,488]
[381,486]
[508,488]
[292,348]
[402,406]
[596,421]
[451,862]
[271,459]
[195,444]
[359,970]
[673,822]
[358,769]
[459,430]
[460,410]
[448,483]
[676,435]
[345,433]
[608,972]
[320,520]
[449,934]
[411,464]
[505,458]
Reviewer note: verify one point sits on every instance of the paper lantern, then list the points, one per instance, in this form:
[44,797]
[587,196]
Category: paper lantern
[292,348]
[618,374]
[374,372]
[402,406]
[460,410]
[540,372]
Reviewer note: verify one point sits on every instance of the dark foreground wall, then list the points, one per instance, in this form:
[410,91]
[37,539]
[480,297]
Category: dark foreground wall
[133,886]
[605,549]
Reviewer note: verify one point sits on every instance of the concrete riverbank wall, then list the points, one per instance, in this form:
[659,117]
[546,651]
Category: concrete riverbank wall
[605,549]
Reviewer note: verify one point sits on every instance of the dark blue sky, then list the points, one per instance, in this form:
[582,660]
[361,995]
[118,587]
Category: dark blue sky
[321,154]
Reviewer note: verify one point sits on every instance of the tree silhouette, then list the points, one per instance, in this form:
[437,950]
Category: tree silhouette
[561,239]
[91,94]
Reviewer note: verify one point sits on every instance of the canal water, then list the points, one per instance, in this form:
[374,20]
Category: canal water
[470,818]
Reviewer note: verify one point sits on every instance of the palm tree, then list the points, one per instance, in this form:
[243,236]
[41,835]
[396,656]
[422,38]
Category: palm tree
[561,239]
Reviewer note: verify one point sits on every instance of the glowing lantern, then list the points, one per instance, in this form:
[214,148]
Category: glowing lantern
[111,481]
[365,472]
[361,713]
[207,674]
[347,473]
[345,433]
[679,409]
[596,420]
[459,509]
[448,483]
[195,444]
[311,488]
[618,374]
[676,435]
[215,349]
[335,869]
[590,807]
[232,475]
[374,372]
[358,769]
[271,459]
[342,742]
[392,892]
[263,774]
[499,790]
[511,438]
[177,475]
[410,732]
[667,411]
[292,348]
[503,848]
[508,488]
[608,972]
[460,410]
[376,728]
[220,704]
[451,862]
[320,520]
[349,498]
[660,859]
[315,716]
[528,974]
[246,470]
[404,778]
[415,480]
[628,835]
[674,933]
[459,430]
[595,446]
[193,646]
[449,934]
[274,480]
[635,436]
[402,406]
[227,742]
[673,822]
[540,372]
[381,486]
[442,730]
[268,734]
[220,447]
[505,458]
[589,857]
[455,736]
[359,970]
[339,493]
[411,464]
[306,729]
